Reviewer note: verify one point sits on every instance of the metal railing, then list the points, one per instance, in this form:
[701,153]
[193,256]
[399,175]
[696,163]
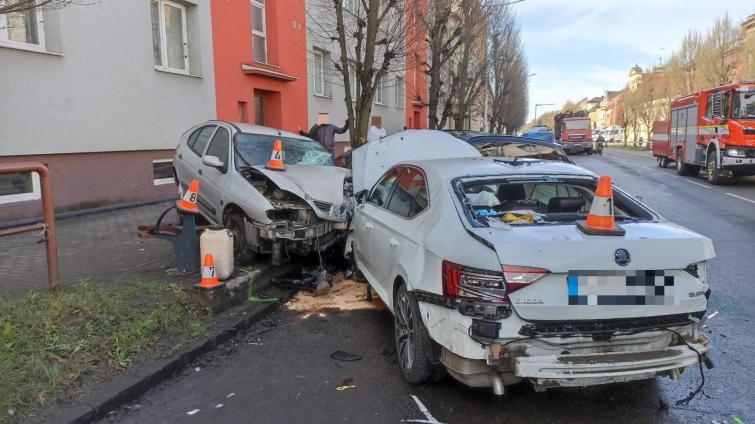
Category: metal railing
[47,227]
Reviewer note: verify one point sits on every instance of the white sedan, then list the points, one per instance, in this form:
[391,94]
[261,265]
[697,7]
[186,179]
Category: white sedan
[490,279]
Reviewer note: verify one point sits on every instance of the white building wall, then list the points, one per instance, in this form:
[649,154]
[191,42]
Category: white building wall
[96,88]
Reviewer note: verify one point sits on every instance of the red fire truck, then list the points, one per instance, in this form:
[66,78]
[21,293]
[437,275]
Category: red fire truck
[572,131]
[714,130]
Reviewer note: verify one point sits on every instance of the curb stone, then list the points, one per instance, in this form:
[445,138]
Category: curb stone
[127,387]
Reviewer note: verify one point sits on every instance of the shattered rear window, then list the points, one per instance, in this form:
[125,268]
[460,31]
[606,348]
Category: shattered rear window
[495,202]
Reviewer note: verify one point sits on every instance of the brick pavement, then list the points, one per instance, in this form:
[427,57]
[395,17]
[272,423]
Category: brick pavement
[100,246]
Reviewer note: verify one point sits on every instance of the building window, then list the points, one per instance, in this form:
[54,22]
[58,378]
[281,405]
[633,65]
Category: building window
[379,91]
[169,36]
[349,5]
[259,37]
[22,29]
[162,172]
[19,187]
[399,94]
[318,72]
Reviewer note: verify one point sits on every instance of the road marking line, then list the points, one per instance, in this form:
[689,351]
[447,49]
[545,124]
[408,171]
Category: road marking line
[697,184]
[741,198]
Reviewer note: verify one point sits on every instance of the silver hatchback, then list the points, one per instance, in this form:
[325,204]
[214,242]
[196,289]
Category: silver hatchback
[301,209]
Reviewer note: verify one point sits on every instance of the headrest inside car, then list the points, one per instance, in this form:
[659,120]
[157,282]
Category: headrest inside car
[565,204]
[511,193]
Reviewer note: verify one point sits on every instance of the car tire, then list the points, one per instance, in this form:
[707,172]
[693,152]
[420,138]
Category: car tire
[681,167]
[712,170]
[414,348]
[234,222]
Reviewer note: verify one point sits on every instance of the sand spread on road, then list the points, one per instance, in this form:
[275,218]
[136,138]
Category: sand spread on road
[345,295]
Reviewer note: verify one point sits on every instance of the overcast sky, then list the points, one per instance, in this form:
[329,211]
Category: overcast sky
[578,48]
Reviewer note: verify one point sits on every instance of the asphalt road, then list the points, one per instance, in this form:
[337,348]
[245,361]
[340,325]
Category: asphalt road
[280,371]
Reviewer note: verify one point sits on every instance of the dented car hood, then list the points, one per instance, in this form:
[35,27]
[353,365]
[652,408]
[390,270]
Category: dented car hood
[320,186]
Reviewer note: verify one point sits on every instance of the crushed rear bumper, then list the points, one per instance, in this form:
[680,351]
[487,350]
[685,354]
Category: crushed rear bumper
[602,368]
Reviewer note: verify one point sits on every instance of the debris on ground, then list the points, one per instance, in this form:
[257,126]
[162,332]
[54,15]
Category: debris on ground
[193,411]
[711,315]
[346,385]
[346,295]
[340,355]
[218,406]
[230,395]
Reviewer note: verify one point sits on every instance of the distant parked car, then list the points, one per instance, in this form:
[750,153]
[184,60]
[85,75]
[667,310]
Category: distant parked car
[540,135]
[510,147]
[490,279]
[300,209]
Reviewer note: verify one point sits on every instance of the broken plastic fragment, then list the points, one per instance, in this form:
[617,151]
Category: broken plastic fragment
[230,395]
[220,405]
[193,411]
[196,369]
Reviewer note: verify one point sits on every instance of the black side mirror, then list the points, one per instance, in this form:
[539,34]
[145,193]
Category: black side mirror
[361,196]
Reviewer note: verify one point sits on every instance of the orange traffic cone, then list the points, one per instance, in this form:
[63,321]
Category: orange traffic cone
[188,202]
[600,219]
[277,157]
[209,276]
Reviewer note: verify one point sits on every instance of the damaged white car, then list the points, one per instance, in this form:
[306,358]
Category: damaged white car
[301,209]
[489,277]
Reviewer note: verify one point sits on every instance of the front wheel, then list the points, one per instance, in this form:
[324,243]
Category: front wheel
[414,348]
[712,169]
[234,222]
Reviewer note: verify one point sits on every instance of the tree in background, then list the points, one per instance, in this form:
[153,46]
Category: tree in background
[16,6]
[372,42]
[682,66]
[444,38]
[715,61]
[507,81]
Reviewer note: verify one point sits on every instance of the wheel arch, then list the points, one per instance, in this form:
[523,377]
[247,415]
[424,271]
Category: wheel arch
[713,144]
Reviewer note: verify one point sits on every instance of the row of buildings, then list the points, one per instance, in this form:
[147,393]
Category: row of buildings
[101,92]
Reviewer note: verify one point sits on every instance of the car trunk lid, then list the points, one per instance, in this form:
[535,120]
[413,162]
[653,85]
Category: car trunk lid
[586,280]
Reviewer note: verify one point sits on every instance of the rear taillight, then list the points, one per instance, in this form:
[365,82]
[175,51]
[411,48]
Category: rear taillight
[518,277]
[462,281]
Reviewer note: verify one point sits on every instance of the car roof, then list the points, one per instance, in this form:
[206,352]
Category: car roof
[499,138]
[449,169]
[260,129]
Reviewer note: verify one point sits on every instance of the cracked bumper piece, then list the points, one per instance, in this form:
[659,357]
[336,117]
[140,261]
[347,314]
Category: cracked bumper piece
[603,368]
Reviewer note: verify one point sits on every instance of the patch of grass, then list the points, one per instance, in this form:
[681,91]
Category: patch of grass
[50,341]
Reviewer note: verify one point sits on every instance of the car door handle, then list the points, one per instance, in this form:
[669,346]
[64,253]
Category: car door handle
[393,242]
[200,172]
[369,226]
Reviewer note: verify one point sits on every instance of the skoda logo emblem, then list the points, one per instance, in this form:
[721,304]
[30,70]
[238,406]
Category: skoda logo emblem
[621,257]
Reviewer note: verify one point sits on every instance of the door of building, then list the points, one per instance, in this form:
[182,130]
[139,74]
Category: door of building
[260,114]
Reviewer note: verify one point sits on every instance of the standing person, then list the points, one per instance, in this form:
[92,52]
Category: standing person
[376,130]
[600,141]
[324,132]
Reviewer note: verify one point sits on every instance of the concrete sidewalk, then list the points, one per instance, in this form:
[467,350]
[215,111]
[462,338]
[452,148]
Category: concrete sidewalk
[98,246]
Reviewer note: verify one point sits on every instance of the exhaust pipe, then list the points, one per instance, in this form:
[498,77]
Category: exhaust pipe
[497,383]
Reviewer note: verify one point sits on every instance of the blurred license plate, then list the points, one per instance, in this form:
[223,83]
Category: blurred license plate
[653,287]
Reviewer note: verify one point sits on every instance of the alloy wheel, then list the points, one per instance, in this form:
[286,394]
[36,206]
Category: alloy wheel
[405,331]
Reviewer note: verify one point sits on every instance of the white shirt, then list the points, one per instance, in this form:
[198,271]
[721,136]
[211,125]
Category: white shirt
[374,133]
